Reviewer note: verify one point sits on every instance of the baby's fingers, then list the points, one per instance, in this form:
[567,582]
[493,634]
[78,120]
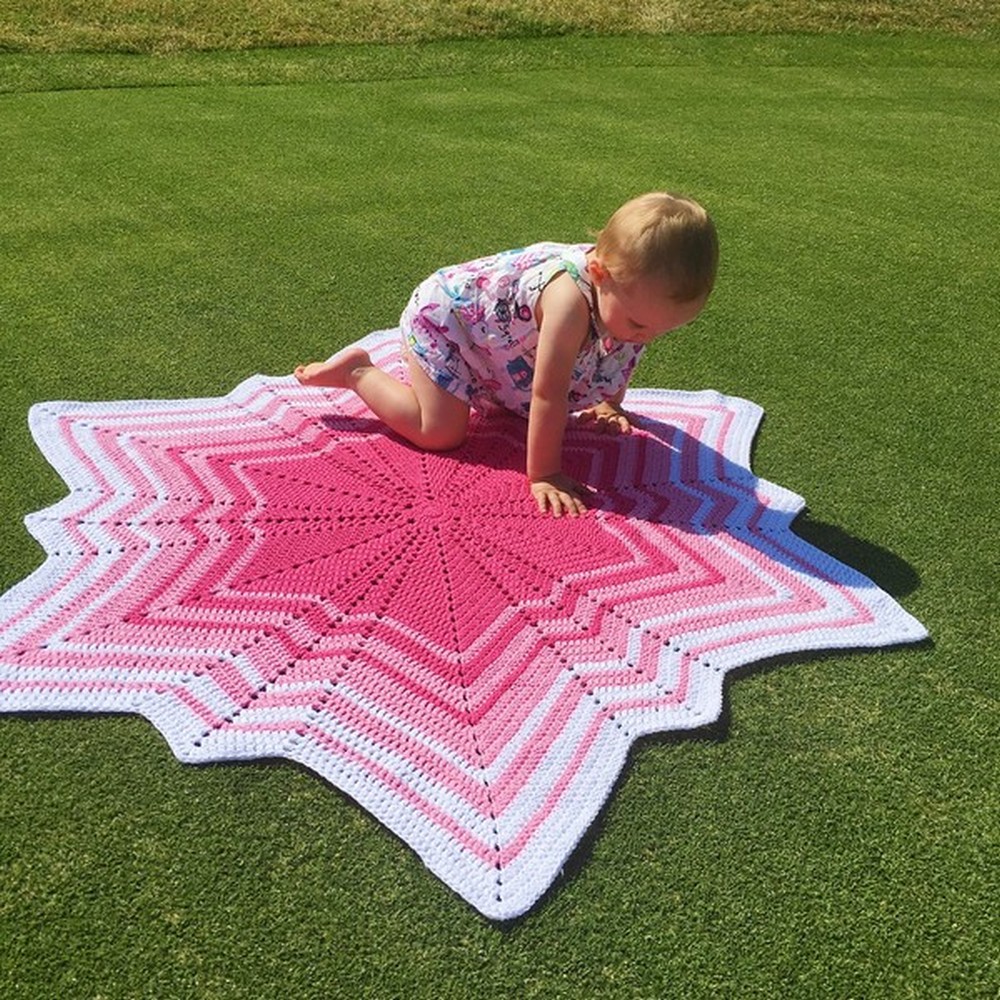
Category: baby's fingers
[605,421]
[616,424]
[560,502]
[566,504]
[553,503]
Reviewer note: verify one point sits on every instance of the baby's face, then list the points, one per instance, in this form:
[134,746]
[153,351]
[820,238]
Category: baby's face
[639,312]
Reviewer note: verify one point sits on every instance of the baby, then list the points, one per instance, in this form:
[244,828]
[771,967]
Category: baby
[546,331]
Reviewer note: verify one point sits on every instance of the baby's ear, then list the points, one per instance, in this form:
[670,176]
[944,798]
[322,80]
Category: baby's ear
[597,270]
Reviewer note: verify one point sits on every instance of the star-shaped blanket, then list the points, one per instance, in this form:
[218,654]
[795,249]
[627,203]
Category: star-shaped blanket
[272,574]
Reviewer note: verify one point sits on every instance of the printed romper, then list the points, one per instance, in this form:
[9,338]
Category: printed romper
[471,328]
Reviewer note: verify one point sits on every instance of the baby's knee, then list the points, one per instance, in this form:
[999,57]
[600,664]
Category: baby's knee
[443,438]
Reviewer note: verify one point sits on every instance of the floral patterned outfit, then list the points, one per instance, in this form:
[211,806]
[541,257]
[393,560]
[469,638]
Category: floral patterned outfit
[471,327]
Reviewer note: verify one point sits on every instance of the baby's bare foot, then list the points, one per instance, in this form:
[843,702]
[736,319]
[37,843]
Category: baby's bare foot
[337,373]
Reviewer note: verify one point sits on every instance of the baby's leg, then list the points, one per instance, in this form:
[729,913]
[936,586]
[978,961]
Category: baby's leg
[426,414]
[423,412]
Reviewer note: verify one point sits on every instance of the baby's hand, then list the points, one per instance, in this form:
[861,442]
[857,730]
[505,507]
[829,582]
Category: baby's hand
[606,418]
[559,494]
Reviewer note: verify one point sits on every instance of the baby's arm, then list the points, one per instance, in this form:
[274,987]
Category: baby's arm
[563,325]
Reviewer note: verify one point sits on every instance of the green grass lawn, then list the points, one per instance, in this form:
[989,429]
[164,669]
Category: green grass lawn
[837,834]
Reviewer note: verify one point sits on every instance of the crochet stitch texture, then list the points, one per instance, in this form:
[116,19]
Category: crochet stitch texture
[272,574]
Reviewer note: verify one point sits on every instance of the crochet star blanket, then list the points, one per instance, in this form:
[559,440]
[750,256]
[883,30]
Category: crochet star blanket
[272,574]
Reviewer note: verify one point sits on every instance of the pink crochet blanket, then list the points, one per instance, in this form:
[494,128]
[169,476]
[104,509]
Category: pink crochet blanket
[272,574]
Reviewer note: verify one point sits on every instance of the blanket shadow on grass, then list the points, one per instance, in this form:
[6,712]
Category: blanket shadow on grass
[884,568]
[881,566]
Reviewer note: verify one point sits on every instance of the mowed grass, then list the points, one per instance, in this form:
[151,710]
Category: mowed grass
[836,834]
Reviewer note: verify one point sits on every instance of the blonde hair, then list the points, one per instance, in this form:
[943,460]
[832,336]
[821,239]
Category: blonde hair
[662,236]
